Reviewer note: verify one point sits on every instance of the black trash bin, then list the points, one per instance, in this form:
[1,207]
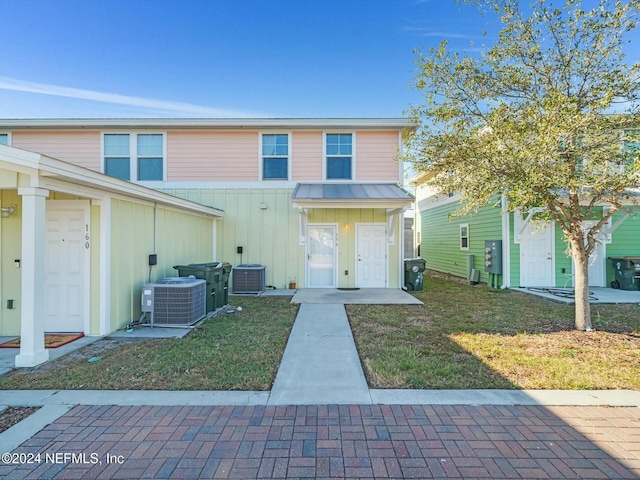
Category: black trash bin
[627,273]
[213,274]
[413,272]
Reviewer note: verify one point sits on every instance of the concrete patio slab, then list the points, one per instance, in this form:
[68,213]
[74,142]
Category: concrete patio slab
[152,332]
[320,363]
[597,294]
[8,355]
[366,296]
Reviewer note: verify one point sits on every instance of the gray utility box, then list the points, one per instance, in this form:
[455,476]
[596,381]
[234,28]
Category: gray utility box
[493,256]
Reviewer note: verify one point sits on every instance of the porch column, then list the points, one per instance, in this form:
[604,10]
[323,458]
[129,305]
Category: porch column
[32,351]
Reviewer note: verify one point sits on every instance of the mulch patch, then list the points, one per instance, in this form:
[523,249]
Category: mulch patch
[12,415]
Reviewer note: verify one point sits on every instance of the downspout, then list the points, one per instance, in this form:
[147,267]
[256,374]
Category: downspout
[506,247]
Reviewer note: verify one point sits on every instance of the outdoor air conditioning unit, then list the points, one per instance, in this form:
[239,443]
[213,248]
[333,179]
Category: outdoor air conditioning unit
[174,301]
[249,278]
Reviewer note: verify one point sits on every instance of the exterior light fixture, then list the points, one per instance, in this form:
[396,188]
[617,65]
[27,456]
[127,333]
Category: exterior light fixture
[6,211]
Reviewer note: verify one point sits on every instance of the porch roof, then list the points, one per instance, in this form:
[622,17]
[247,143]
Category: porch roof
[350,195]
[57,175]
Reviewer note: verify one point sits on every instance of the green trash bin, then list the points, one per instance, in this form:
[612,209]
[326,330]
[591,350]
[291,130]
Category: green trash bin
[627,273]
[212,273]
[413,272]
[226,272]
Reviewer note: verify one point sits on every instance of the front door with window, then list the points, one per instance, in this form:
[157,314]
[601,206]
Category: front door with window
[371,256]
[65,272]
[321,256]
[536,256]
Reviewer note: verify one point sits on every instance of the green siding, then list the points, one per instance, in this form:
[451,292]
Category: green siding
[625,241]
[440,245]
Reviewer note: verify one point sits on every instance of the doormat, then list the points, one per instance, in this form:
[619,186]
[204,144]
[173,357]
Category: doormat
[51,340]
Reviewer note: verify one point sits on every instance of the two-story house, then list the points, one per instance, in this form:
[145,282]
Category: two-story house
[318,201]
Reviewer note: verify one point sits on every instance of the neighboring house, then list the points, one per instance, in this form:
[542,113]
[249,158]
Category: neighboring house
[532,255]
[318,201]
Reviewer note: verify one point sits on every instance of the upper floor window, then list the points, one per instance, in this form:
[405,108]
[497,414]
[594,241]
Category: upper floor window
[275,156]
[146,150]
[4,139]
[339,150]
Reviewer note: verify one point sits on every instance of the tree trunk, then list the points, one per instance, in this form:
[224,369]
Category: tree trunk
[583,307]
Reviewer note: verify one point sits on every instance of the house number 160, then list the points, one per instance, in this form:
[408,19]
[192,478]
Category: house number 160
[86,236]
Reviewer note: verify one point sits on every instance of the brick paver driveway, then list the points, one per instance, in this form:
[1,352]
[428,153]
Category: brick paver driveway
[335,442]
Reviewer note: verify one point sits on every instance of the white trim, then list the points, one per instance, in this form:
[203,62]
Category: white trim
[460,236]
[353,155]
[506,244]
[303,216]
[211,123]
[267,184]
[289,135]
[335,254]
[393,217]
[345,203]
[83,206]
[438,200]
[32,350]
[386,251]
[400,160]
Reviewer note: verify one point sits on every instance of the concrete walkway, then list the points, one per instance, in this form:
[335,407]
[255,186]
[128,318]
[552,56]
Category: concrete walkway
[320,364]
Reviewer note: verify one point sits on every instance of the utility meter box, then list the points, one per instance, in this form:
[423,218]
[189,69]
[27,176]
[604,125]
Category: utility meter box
[493,256]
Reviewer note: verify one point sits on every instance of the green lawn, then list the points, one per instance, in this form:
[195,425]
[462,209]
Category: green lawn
[462,337]
[474,337]
[228,352]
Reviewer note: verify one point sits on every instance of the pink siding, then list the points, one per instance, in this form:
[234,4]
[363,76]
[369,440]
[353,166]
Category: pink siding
[376,154]
[77,147]
[212,156]
[306,156]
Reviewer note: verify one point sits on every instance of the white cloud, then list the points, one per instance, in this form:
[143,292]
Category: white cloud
[176,108]
[426,32]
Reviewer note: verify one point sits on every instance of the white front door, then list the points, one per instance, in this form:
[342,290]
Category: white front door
[65,272]
[321,256]
[537,256]
[371,256]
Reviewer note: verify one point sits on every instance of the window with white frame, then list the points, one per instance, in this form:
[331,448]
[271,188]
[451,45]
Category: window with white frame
[339,156]
[464,236]
[4,138]
[275,156]
[146,150]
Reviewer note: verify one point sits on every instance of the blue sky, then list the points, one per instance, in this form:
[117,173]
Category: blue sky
[214,58]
